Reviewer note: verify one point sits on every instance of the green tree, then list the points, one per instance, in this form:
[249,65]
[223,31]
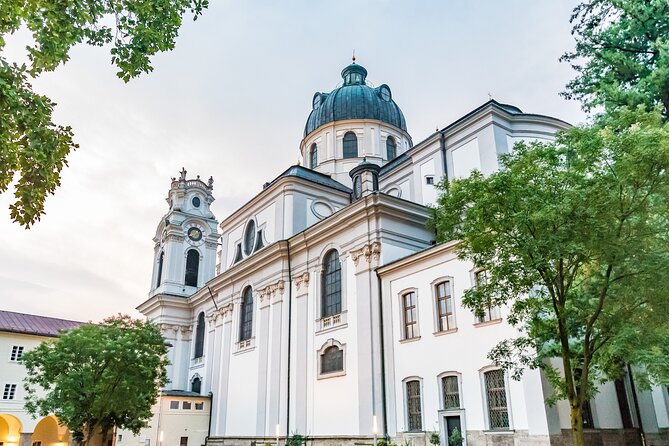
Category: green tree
[574,236]
[31,144]
[621,54]
[97,377]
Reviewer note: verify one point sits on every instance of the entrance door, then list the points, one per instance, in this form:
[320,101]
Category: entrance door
[184,441]
[452,423]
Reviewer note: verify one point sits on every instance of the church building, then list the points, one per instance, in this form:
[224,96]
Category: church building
[324,307]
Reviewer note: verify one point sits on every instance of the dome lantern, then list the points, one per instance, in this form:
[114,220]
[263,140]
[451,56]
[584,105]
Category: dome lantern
[354,99]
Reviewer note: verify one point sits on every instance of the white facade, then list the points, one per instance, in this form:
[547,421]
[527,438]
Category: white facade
[20,333]
[300,325]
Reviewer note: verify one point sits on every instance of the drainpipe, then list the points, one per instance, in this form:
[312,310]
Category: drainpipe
[290,319]
[383,359]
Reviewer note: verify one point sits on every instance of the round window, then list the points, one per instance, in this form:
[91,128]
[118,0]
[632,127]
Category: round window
[196,202]
[385,93]
[249,237]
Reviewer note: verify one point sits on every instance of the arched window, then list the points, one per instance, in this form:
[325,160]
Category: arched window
[332,360]
[331,287]
[192,267]
[199,336]
[391,148]
[313,156]
[196,385]
[246,315]
[350,145]
[160,268]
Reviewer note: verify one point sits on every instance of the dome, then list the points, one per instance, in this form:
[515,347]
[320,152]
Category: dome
[354,100]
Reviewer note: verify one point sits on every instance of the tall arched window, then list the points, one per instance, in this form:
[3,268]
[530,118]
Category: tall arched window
[313,156]
[196,385]
[199,336]
[414,406]
[331,288]
[192,267]
[246,315]
[160,268]
[391,148]
[350,145]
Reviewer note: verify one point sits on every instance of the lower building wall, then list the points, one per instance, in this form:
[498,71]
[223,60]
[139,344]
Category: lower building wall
[593,437]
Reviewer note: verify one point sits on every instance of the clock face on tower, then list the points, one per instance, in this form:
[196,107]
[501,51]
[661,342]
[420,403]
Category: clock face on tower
[195,234]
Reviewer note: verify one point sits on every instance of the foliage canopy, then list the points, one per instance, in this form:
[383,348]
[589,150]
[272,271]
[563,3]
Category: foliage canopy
[31,144]
[574,236]
[96,377]
[621,54]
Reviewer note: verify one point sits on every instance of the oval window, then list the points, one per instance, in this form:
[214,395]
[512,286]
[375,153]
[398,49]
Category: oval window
[249,237]
[196,202]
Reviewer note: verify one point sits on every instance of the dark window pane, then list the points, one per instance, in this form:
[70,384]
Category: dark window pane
[391,148]
[249,237]
[332,360]
[199,336]
[350,145]
[313,156]
[246,316]
[414,406]
[192,266]
[331,289]
[160,268]
[196,385]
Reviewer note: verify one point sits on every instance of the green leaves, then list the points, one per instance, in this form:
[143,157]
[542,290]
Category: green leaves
[574,236]
[621,55]
[31,144]
[96,377]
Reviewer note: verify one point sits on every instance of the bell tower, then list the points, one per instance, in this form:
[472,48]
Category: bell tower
[186,239]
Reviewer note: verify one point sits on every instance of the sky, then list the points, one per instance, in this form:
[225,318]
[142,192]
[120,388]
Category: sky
[231,100]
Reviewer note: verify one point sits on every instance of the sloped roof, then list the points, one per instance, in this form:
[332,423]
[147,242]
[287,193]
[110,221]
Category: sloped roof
[313,176]
[35,325]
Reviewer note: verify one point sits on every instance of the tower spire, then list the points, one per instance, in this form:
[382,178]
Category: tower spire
[353,55]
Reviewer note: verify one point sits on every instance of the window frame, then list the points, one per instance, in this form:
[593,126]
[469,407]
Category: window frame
[313,156]
[407,415]
[442,396]
[159,272]
[435,305]
[16,352]
[325,295]
[246,332]
[9,392]
[319,358]
[484,393]
[394,146]
[348,141]
[194,378]
[199,337]
[474,274]
[402,310]
[198,259]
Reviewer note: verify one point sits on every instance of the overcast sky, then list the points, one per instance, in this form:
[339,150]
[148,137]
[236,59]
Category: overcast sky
[231,101]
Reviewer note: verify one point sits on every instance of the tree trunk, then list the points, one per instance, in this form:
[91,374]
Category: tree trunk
[577,426]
